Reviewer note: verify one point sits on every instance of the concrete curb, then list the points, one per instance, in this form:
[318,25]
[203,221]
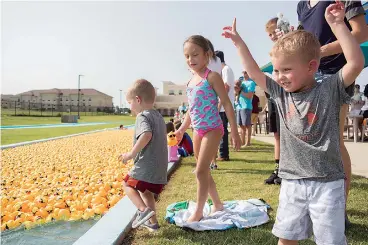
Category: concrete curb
[56,138]
[113,227]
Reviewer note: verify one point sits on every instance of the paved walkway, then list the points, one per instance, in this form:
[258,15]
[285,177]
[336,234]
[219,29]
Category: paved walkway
[358,153]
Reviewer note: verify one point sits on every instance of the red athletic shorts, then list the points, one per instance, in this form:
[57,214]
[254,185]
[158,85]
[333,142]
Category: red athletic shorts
[142,186]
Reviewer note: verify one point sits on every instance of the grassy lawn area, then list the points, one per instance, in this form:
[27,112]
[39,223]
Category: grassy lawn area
[241,179]
[19,135]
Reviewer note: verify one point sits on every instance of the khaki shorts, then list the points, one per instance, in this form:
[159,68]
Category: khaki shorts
[254,118]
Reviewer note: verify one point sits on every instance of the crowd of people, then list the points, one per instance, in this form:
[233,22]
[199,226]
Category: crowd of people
[312,85]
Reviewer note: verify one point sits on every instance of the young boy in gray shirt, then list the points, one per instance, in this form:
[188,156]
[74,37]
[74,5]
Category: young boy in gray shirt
[312,195]
[149,173]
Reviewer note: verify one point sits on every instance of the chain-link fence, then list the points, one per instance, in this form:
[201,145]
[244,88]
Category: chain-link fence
[45,109]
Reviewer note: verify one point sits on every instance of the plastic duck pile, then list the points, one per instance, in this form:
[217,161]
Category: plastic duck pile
[70,179]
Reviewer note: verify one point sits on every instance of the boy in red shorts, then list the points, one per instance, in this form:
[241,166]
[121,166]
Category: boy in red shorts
[149,173]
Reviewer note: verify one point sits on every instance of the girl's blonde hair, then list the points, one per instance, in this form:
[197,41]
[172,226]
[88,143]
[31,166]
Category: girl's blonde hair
[201,42]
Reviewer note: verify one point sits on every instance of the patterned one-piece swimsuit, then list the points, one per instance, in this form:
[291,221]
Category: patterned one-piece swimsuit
[203,107]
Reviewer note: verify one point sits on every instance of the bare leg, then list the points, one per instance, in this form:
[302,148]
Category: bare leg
[242,134]
[249,133]
[134,196]
[254,123]
[212,191]
[287,242]
[277,146]
[254,129]
[217,204]
[196,146]
[208,148]
[149,200]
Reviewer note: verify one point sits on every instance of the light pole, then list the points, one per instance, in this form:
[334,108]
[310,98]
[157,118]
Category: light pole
[79,76]
[120,106]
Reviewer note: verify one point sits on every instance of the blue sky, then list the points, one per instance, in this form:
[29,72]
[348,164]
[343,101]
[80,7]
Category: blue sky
[47,44]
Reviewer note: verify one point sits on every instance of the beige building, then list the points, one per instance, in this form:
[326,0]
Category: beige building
[9,100]
[262,97]
[174,95]
[170,88]
[59,99]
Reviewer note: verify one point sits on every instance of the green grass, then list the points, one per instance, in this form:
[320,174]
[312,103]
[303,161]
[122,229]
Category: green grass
[20,135]
[241,178]
[27,134]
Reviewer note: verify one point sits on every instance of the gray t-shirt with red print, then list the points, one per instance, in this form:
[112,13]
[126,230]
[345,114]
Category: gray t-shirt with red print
[309,130]
[150,164]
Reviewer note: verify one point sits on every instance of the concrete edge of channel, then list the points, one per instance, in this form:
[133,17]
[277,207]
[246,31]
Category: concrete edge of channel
[113,227]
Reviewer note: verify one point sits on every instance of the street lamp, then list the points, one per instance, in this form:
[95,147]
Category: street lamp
[79,76]
[120,106]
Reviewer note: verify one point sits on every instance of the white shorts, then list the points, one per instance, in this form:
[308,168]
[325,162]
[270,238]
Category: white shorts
[309,207]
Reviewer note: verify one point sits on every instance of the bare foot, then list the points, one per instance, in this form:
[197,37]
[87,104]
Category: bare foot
[195,217]
[217,208]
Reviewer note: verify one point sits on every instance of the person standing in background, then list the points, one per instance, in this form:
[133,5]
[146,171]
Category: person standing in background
[255,112]
[244,111]
[228,78]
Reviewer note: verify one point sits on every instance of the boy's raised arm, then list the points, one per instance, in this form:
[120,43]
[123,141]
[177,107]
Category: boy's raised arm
[335,14]
[249,64]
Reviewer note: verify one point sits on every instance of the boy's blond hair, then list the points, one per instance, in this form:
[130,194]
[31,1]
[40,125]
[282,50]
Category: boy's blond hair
[298,43]
[143,89]
[271,25]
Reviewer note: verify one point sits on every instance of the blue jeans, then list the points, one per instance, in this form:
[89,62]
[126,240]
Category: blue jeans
[224,143]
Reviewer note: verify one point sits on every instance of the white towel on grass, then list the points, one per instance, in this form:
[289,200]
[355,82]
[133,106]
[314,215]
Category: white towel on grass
[240,214]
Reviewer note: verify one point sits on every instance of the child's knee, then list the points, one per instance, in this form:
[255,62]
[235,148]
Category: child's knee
[202,172]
